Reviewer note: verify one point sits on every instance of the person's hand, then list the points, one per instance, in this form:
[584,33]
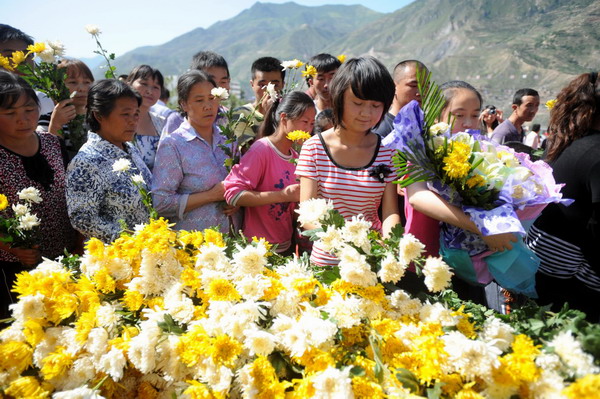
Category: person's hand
[64,112]
[291,193]
[218,191]
[27,256]
[500,242]
[230,209]
[499,115]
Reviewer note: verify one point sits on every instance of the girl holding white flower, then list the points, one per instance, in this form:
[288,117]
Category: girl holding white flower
[34,162]
[189,169]
[102,198]
[264,181]
[348,164]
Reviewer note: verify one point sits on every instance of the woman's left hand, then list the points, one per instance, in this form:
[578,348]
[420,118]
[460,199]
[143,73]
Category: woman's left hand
[230,209]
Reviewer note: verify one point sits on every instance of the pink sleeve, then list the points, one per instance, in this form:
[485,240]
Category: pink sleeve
[246,175]
[307,162]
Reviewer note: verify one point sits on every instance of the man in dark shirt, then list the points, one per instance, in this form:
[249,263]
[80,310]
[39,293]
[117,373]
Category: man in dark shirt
[405,80]
[525,106]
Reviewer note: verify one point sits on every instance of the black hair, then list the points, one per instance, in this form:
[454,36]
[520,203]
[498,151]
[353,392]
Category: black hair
[12,87]
[76,68]
[145,72]
[293,104]
[536,127]
[368,79]
[449,89]
[323,63]
[164,93]
[402,65]
[7,33]
[102,98]
[518,97]
[187,81]
[323,119]
[267,64]
[208,59]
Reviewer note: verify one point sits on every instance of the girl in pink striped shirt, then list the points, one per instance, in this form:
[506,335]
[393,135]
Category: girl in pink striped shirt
[348,164]
[264,181]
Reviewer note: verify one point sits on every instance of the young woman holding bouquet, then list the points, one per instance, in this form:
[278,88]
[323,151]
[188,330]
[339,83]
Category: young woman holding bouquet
[102,198]
[189,169]
[29,159]
[566,238]
[264,181]
[348,164]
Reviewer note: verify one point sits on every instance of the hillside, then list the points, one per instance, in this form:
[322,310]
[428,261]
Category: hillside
[497,45]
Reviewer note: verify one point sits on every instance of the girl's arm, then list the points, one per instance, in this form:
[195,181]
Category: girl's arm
[430,204]
[290,193]
[389,209]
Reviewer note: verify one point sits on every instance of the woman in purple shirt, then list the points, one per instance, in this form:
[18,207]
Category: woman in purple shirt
[189,170]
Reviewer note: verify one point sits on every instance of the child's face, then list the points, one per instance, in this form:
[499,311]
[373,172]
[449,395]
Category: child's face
[19,120]
[321,84]
[201,106]
[81,84]
[360,115]
[305,122]
[465,108]
[220,76]
[262,79]
[149,89]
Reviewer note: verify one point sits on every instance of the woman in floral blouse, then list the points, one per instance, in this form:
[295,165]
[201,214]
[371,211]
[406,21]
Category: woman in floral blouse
[101,200]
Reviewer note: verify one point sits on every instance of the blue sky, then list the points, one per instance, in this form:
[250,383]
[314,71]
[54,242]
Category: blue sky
[128,24]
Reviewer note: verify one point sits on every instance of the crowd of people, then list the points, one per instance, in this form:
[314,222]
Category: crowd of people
[348,108]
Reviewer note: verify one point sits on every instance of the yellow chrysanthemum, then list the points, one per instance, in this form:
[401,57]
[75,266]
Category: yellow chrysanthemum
[194,238]
[221,289]
[520,363]
[104,282]
[305,286]
[95,248]
[365,389]
[36,48]
[33,331]
[323,296]
[146,391]
[61,306]
[3,202]
[353,335]
[157,302]
[298,135]
[84,325]
[56,363]
[5,63]
[132,300]
[456,163]
[27,387]
[375,293]
[309,72]
[225,350]
[213,237]
[194,346]
[198,390]
[274,289]
[467,392]
[15,355]
[475,181]
[303,388]
[17,58]
[265,380]
[315,360]
[584,388]
[342,58]
[550,103]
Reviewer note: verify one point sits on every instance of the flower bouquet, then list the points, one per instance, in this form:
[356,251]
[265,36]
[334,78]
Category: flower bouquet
[502,191]
[20,230]
[162,314]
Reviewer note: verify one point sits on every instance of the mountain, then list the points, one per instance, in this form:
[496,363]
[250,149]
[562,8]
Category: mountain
[498,46]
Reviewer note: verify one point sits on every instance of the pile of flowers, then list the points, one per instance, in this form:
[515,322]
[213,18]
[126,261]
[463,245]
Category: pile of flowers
[161,313]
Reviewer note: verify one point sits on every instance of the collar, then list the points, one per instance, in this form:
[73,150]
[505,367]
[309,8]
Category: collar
[107,148]
[189,133]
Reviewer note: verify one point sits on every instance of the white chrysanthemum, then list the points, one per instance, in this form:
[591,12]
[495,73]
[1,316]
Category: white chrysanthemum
[121,165]
[252,288]
[220,92]
[330,239]
[333,384]
[178,305]
[113,363]
[213,257]
[97,342]
[354,267]
[47,56]
[436,312]
[81,372]
[251,259]
[118,268]
[391,270]
[439,128]
[408,333]
[294,268]
[570,351]
[410,248]
[57,47]
[500,391]
[318,331]
[356,231]
[157,273]
[272,91]
[259,342]
[406,305]
[30,194]
[497,333]
[93,30]
[142,351]
[310,212]
[29,307]
[287,302]
[292,64]
[20,209]
[470,358]
[138,178]
[437,274]
[78,393]
[294,340]
[549,385]
[48,267]
[247,382]
[217,377]
[549,361]
[346,311]
[28,221]
[169,363]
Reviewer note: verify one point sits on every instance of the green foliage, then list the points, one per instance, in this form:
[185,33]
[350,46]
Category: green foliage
[47,78]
